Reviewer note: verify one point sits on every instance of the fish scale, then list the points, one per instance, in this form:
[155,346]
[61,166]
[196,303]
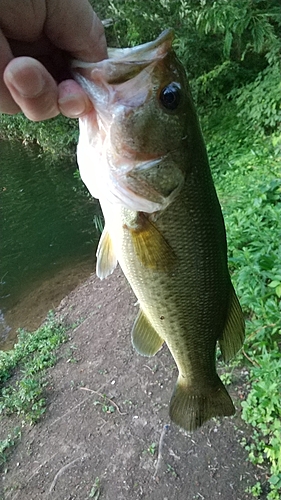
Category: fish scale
[145,159]
[184,307]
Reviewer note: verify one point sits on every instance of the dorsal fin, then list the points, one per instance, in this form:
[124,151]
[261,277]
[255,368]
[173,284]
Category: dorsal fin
[234,331]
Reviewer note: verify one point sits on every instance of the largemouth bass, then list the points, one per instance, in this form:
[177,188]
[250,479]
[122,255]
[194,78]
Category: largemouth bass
[141,153]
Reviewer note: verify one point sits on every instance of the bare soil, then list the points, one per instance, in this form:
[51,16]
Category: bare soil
[121,445]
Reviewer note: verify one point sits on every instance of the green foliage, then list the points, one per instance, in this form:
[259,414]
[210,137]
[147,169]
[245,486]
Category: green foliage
[255,490]
[229,48]
[246,170]
[105,407]
[262,410]
[246,26]
[259,102]
[226,46]
[24,398]
[152,448]
[33,353]
[139,21]
[57,136]
[7,443]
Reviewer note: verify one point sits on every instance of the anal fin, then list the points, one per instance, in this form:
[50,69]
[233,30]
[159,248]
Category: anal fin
[234,331]
[106,257]
[145,339]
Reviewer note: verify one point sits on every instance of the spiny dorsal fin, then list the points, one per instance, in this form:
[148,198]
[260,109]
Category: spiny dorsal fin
[145,339]
[151,247]
[234,331]
[106,257]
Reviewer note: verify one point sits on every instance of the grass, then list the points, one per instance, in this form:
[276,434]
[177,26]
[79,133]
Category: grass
[22,376]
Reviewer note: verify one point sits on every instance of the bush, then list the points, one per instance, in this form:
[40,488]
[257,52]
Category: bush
[246,172]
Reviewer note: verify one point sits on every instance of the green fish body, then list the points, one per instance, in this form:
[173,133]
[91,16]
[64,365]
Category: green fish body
[163,221]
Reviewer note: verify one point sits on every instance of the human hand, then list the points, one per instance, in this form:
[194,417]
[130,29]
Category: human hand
[36,30]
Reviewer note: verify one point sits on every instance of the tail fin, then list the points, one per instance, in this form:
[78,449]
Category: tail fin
[190,407]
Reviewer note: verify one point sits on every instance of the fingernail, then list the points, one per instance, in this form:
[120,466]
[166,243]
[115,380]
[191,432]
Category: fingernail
[72,105]
[27,85]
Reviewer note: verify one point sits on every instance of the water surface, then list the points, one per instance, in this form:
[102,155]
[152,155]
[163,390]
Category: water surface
[48,238]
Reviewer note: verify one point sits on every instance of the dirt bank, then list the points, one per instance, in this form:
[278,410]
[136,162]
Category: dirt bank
[121,446]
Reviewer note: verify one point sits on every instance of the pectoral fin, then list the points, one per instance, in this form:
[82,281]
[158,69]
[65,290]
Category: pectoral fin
[151,247]
[145,339]
[234,331]
[106,257]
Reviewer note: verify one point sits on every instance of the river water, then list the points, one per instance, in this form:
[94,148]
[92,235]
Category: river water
[47,236]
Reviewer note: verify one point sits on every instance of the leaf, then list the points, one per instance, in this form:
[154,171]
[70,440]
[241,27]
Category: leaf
[274,284]
[227,43]
[275,480]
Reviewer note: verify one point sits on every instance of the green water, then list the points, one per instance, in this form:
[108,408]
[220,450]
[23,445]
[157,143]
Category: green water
[46,226]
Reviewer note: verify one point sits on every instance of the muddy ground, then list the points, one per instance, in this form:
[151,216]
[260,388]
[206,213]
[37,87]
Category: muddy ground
[121,446]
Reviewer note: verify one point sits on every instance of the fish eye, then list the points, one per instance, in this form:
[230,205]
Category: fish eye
[170,96]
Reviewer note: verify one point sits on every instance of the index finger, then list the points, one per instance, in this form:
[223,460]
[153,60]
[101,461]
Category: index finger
[73,26]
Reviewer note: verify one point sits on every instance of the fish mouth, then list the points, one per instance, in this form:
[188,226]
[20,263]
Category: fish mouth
[124,64]
[99,79]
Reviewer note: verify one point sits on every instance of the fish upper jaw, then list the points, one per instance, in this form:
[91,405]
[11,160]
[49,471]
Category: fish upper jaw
[122,62]
[123,74]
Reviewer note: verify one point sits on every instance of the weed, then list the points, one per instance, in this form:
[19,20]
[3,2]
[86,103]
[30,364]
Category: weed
[108,409]
[226,378]
[152,448]
[103,372]
[255,490]
[128,402]
[171,470]
[69,354]
[33,353]
[105,407]
[8,443]
[24,398]
[95,490]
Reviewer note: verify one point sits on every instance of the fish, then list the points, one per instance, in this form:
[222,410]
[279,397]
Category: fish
[142,154]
